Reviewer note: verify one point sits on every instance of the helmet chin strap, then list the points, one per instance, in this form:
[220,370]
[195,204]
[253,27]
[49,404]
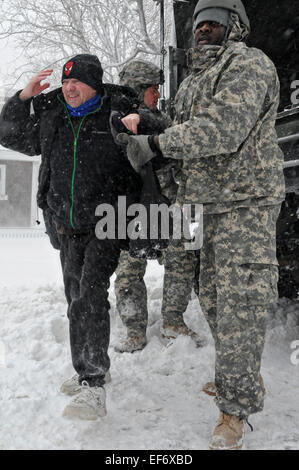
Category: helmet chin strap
[228,29]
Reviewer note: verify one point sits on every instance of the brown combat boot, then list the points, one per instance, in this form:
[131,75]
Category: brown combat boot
[172,332]
[228,434]
[210,389]
[131,344]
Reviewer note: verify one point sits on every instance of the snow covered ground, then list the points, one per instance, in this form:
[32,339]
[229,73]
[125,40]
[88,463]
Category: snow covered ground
[154,400]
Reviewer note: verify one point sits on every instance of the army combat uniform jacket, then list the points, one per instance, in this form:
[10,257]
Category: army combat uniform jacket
[225,116]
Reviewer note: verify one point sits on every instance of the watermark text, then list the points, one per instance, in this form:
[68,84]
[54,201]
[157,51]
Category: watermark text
[295,354]
[295,93]
[153,222]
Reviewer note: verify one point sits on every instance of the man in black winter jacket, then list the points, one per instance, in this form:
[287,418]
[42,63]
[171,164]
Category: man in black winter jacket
[81,167]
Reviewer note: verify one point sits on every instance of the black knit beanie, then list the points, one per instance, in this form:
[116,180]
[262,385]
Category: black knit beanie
[86,68]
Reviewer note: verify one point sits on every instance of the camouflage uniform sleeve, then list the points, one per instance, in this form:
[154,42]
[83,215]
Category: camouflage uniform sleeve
[167,120]
[223,125]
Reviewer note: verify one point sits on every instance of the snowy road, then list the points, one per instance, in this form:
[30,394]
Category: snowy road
[154,400]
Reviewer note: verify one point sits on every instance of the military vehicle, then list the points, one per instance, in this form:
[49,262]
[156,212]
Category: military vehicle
[274,30]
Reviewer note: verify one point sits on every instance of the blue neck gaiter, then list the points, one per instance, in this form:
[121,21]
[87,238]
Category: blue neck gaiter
[85,108]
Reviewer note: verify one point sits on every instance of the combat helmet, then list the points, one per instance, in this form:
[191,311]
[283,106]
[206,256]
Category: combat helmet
[235,6]
[139,75]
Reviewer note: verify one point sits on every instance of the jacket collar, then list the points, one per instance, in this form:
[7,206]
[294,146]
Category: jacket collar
[201,58]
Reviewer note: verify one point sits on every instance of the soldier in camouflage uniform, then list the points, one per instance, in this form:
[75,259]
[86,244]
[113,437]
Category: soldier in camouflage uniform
[130,289]
[224,134]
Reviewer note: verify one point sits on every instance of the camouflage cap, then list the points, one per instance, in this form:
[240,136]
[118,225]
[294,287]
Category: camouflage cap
[139,75]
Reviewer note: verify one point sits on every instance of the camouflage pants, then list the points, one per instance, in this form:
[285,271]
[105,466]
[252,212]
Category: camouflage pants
[131,294]
[238,281]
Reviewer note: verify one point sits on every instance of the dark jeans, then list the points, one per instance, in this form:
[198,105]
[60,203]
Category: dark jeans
[87,264]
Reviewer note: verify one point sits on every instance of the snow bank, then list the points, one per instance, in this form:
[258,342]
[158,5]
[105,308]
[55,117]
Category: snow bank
[154,400]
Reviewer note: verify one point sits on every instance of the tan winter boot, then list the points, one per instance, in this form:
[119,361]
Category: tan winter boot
[228,434]
[89,404]
[210,389]
[172,332]
[72,387]
[131,344]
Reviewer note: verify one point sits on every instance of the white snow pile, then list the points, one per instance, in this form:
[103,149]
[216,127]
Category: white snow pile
[154,400]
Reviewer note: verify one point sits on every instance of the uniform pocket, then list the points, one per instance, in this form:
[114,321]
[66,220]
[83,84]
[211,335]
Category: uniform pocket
[255,284]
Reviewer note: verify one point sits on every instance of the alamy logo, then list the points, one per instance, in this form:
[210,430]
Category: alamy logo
[295,94]
[154,222]
[295,354]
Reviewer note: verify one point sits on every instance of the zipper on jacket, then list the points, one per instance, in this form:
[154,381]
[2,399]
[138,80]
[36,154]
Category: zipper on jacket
[76,137]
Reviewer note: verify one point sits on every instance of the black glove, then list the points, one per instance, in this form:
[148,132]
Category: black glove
[116,126]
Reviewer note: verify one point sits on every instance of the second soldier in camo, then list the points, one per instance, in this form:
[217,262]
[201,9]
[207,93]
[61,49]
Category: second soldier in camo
[130,288]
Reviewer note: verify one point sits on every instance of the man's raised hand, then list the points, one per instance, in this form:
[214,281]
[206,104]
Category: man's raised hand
[34,86]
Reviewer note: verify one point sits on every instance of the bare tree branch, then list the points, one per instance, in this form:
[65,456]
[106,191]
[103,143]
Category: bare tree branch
[52,32]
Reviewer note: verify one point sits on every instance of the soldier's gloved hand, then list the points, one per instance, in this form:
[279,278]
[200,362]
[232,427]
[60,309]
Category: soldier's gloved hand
[138,150]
